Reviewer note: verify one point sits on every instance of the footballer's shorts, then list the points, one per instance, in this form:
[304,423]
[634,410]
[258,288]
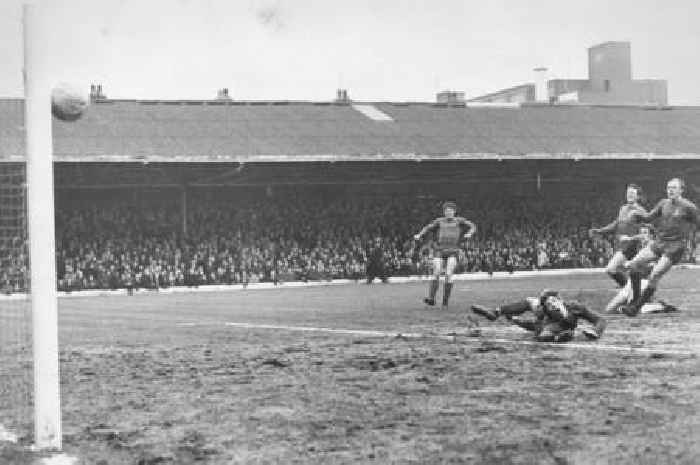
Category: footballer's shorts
[672,249]
[448,252]
[629,248]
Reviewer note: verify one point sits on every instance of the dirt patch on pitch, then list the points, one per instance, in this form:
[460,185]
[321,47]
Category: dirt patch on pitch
[353,400]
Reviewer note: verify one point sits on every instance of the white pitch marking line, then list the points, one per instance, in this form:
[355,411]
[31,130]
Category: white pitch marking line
[628,332]
[60,459]
[392,334]
[466,288]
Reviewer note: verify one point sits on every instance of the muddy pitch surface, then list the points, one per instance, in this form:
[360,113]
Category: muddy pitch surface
[163,379]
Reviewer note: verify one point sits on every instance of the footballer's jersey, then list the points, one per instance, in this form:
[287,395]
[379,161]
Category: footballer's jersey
[566,314]
[448,231]
[675,219]
[627,224]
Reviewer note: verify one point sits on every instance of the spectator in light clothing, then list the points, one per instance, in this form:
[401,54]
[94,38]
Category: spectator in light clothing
[542,258]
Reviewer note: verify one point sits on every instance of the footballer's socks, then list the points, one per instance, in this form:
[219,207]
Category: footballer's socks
[516,308]
[446,293]
[434,284]
[636,280]
[646,296]
[619,278]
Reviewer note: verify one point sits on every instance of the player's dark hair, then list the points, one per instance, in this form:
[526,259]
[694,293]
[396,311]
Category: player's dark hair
[449,204]
[547,293]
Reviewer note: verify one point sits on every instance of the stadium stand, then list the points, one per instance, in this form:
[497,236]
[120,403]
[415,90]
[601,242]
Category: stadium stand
[521,173]
[103,243]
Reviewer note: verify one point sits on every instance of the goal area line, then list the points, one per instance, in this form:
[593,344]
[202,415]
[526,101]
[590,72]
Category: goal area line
[452,337]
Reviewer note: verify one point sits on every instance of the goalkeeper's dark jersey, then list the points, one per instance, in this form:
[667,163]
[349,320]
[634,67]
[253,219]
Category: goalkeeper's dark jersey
[567,317]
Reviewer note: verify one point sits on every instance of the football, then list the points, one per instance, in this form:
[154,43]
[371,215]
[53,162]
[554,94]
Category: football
[68,102]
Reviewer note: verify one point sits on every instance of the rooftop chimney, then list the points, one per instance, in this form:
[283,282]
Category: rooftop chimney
[222,94]
[450,97]
[541,88]
[96,92]
[341,96]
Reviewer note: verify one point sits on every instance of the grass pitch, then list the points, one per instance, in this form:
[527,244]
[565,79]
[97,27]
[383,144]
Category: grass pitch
[367,374]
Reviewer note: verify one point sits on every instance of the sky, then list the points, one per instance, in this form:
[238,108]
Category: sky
[380,50]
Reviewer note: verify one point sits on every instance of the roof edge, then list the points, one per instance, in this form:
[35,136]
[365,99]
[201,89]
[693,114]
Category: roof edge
[331,158]
[409,103]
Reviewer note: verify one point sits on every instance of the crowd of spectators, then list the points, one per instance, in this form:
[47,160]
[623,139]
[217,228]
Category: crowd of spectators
[108,244]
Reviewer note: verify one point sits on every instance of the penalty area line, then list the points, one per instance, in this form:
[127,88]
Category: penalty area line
[444,337]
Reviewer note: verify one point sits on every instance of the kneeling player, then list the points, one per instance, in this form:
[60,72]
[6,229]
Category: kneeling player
[624,298]
[676,217]
[555,319]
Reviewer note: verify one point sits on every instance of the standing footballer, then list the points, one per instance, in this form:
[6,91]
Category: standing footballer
[449,231]
[674,217]
[626,228]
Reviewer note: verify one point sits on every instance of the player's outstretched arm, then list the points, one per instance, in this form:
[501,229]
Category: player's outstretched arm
[694,214]
[607,229]
[641,216]
[641,209]
[470,225]
[432,225]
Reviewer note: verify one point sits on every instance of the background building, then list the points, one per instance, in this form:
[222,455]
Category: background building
[609,82]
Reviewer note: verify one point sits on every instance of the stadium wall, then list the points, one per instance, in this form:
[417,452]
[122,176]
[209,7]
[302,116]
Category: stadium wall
[335,282]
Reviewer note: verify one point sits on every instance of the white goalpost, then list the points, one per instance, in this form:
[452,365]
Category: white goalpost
[40,216]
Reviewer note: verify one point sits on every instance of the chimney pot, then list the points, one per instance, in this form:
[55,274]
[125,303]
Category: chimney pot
[450,97]
[341,95]
[96,92]
[222,94]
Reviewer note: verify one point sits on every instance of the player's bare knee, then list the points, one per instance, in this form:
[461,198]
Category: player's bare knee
[616,265]
[654,279]
[614,268]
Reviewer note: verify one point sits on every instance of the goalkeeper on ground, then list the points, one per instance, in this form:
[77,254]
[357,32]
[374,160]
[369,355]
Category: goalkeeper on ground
[554,318]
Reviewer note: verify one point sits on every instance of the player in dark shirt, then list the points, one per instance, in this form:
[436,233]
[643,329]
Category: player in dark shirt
[626,228]
[555,319]
[449,232]
[675,218]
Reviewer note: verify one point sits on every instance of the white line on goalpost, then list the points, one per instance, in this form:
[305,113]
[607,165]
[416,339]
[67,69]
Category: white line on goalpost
[40,205]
